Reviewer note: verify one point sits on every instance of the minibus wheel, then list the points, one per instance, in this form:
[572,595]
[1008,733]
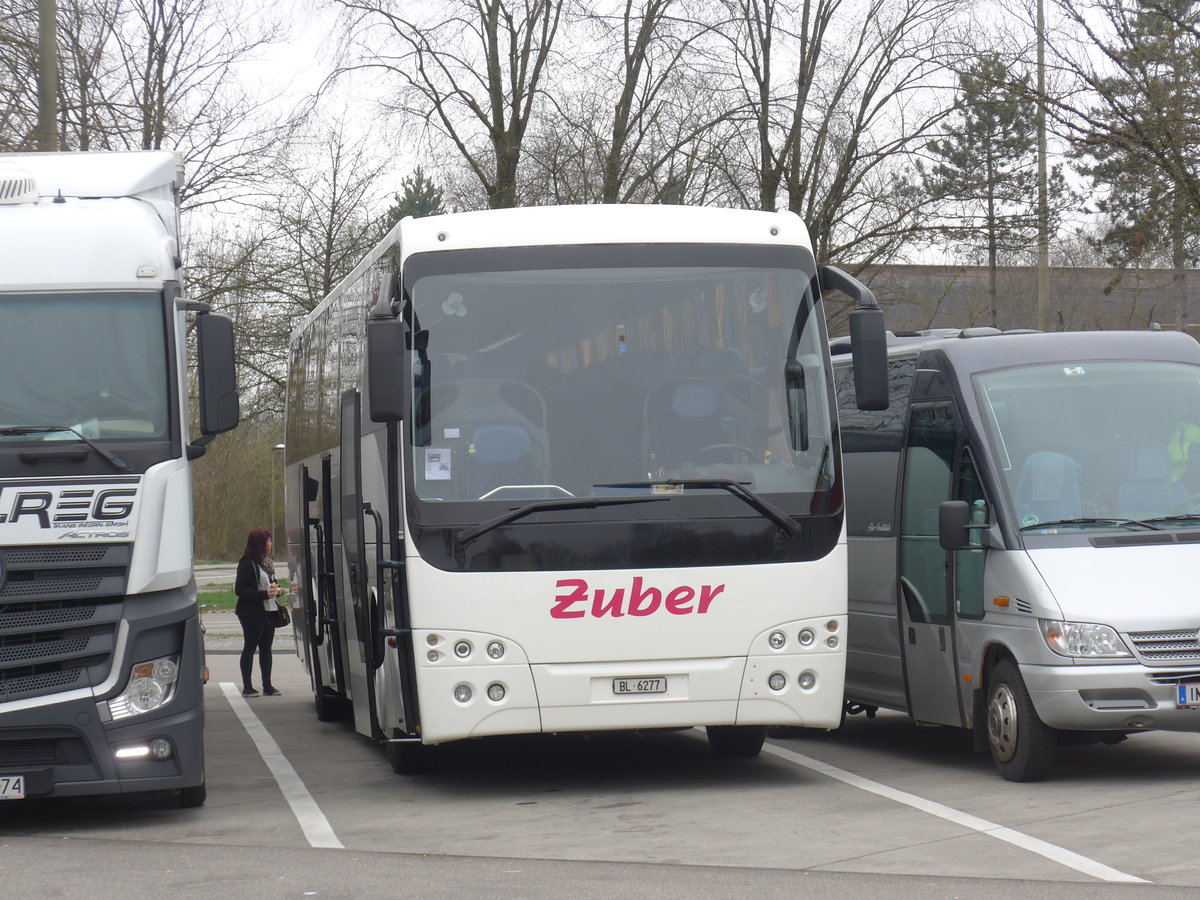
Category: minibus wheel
[732,741]
[1022,745]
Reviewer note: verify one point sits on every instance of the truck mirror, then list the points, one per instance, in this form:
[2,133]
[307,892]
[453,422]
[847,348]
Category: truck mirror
[954,519]
[868,337]
[220,408]
[386,369]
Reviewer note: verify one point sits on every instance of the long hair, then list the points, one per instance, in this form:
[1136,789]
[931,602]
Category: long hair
[256,545]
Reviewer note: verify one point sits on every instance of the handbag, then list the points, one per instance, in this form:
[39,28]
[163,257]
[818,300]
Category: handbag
[281,617]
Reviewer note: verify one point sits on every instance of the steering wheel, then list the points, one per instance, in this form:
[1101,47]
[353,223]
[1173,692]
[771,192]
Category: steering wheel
[731,448]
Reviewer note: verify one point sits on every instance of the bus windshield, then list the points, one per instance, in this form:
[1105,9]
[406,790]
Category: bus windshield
[1096,444]
[546,382]
[92,364]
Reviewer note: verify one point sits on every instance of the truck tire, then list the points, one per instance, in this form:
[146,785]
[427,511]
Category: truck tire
[192,797]
[1022,745]
[734,741]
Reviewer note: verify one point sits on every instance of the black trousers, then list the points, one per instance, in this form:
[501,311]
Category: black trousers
[257,634]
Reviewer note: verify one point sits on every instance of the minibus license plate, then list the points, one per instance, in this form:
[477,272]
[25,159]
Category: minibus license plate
[1187,694]
[639,685]
[12,787]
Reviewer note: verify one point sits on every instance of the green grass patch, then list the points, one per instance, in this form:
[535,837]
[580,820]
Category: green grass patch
[223,599]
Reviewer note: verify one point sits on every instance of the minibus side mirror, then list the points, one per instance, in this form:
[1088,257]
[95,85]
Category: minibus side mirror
[954,520]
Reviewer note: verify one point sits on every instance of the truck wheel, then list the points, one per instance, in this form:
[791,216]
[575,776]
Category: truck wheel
[1022,745]
[733,741]
[192,797]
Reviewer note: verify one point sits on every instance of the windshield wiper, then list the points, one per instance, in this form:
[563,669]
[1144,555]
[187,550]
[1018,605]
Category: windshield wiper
[469,534]
[1175,518]
[1093,521]
[737,488]
[116,461]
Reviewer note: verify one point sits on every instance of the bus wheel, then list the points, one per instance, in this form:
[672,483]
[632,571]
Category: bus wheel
[1022,745]
[732,741]
[191,797]
[409,757]
[330,707]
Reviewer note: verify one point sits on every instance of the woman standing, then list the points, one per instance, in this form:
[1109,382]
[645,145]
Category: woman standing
[256,591]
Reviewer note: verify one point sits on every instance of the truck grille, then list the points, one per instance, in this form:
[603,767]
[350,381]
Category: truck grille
[1166,646]
[59,611]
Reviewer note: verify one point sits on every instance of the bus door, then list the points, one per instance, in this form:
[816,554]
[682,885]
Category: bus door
[327,579]
[360,644]
[926,614]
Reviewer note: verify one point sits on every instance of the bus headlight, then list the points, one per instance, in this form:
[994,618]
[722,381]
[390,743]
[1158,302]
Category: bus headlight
[151,685]
[777,639]
[777,681]
[1083,639]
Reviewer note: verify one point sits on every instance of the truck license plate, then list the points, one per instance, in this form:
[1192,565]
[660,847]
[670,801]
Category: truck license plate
[1187,694]
[639,685]
[12,787]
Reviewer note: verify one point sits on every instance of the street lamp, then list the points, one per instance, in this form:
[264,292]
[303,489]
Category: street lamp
[274,456]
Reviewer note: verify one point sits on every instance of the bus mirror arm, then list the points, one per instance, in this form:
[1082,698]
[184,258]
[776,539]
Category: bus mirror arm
[868,337]
[954,526]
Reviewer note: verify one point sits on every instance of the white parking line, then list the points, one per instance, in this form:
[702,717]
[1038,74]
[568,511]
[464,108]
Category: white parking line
[983,826]
[312,821]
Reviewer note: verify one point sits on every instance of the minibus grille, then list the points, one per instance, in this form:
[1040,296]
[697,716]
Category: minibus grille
[1166,646]
[59,612]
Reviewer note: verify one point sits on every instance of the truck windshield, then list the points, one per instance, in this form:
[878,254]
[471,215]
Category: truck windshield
[615,378]
[94,363]
[1088,445]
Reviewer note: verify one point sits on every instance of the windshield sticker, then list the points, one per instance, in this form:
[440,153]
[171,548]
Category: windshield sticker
[437,464]
[1074,370]
[1030,519]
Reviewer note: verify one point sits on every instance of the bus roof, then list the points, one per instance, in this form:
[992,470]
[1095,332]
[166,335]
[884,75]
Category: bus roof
[545,226]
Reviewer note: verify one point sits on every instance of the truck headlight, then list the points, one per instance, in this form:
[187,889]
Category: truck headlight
[151,685]
[1083,639]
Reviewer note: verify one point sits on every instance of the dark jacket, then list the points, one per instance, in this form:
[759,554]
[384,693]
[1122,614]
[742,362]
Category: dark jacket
[249,598]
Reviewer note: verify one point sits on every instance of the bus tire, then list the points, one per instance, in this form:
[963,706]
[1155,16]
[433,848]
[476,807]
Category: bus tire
[330,707]
[192,797]
[736,741]
[1022,745]
[409,757]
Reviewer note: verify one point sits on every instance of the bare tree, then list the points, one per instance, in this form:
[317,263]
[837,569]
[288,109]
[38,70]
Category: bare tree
[471,70]
[837,95]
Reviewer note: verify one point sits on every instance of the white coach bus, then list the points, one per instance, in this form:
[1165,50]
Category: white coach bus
[574,469]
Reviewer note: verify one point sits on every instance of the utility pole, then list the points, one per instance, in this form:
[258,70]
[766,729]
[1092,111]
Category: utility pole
[1043,210]
[47,80]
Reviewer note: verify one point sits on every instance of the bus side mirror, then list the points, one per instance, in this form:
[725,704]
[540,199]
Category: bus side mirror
[220,408]
[868,348]
[868,337]
[386,356]
[954,520]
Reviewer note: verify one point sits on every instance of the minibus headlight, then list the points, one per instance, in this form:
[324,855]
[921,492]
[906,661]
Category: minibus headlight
[1083,639]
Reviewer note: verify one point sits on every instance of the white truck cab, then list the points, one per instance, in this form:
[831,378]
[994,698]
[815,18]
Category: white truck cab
[102,669]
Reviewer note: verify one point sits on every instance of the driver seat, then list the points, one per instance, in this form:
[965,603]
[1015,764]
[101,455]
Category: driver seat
[1151,493]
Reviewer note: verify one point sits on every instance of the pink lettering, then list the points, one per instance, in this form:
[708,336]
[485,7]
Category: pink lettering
[575,594]
[612,608]
[679,600]
[651,596]
[707,595]
[562,603]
